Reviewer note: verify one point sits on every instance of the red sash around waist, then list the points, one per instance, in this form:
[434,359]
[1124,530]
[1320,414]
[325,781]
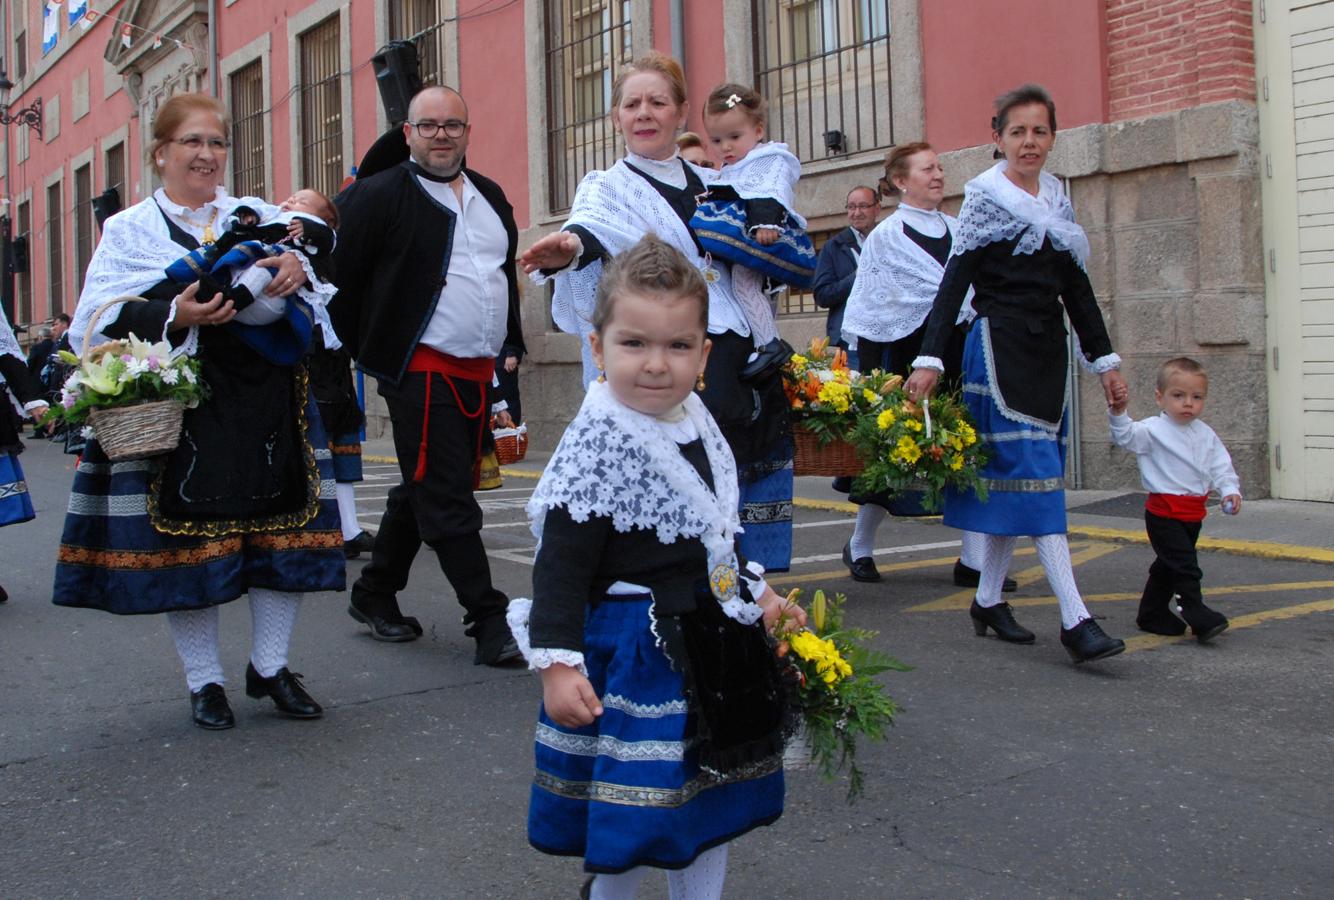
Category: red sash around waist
[479,370]
[1182,507]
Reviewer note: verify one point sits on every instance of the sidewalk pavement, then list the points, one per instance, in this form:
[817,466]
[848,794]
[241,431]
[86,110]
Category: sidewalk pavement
[1297,530]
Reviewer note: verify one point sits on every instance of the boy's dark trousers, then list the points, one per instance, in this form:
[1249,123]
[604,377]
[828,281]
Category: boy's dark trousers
[1177,568]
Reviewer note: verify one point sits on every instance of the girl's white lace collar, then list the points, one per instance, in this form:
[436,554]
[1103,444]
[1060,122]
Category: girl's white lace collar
[668,171]
[768,171]
[997,209]
[615,462]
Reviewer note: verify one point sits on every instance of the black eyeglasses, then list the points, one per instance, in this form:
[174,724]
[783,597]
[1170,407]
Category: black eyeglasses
[852,207]
[195,142]
[453,128]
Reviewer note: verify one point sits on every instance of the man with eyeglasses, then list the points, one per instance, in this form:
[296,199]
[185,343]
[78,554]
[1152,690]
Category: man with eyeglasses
[428,295]
[837,267]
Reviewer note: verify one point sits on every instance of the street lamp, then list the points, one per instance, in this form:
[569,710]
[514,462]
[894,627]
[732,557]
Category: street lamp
[29,115]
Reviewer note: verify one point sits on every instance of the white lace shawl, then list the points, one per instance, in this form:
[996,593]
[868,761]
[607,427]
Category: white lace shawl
[897,279]
[619,208]
[8,343]
[767,172]
[136,248]
[613,461]
[997,209]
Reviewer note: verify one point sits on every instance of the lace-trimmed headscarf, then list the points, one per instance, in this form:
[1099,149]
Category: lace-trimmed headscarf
[997,209]
[8,343]
[622,464]
[897,278]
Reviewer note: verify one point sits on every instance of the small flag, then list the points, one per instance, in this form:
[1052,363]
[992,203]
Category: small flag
[88,21]
[157,41]
[126,35]
[77,10]
[50,27]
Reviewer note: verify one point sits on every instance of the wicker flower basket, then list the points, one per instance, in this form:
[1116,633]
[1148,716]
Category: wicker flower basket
[133,432]
[511,444]
[814,458]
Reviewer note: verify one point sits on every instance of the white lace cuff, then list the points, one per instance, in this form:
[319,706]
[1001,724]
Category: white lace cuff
[516,616]
[929,362]
[190,345]
[1105,364]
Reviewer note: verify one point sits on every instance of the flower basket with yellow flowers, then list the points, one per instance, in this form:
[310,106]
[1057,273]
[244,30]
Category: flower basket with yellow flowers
[832,671]
[910,447]
[826,399]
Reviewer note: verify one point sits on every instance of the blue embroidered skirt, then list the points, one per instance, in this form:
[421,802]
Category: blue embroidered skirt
[1026,472]
[627,790]
[112,558]
[15,504]
[720,227]
[766,511]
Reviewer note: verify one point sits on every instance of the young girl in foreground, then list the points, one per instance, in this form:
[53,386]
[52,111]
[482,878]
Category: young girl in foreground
[659,738]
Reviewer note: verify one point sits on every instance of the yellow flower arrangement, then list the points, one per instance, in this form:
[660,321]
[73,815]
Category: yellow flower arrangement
[885,419]
[831,671]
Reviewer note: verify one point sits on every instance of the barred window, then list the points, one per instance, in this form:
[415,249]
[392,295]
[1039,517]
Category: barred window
[587,43]
[83,224]
[322,108]
[247,95]
[793,302]
[21,55]
[823,68]
[408,17]
[114,173]
[55,251]
[23,280]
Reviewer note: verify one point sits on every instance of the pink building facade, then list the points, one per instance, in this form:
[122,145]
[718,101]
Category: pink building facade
[1156,102]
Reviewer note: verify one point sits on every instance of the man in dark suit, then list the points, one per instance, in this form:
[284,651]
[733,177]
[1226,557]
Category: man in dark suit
[837,267]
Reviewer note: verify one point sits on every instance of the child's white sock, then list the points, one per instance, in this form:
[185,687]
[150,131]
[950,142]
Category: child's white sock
[748,286]
[869,517]
[347,510]
[1054,553]
[702,879]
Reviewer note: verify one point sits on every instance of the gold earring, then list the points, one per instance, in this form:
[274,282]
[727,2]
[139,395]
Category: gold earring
[602,377]
[699,382]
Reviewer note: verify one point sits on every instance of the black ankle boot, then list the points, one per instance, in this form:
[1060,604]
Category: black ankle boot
[1087,642]
[1155,618]
[1205,623]
[285,689]
[1000,618]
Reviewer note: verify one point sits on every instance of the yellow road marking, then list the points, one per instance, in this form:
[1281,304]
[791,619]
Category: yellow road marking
[842,573]
[1154,641]
[963,599]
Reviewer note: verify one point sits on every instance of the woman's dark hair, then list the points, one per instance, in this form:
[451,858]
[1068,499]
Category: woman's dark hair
[1022,96]
[726,97]
[654,268]
[896,166]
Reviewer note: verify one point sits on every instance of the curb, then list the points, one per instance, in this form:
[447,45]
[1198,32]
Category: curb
[1253,549]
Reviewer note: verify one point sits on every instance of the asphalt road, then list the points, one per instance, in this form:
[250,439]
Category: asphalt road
[1174,770]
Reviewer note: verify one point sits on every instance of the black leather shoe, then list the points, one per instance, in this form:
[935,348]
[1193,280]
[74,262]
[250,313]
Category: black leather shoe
[285,689]
[392,628]
[862,568]
[768,359]
[495,645]
[966,576]
[209,708]
[1205,623]
[362,543]
[1087,642]
[1000,619]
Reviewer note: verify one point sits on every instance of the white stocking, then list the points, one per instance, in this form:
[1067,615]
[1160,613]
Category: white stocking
[748,286]
[347,510]
[273,615]
[195,632]
[869,517]
[1054,553]
[973,550]
[621,886]
[702,879]
[996,552]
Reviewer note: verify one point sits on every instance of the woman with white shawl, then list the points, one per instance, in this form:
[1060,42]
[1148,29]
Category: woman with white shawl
[651,190]
[902,262]
[245,503]
[17,386]
[1023,254]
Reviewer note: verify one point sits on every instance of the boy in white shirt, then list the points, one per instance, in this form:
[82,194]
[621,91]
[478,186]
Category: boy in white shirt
[1180,460]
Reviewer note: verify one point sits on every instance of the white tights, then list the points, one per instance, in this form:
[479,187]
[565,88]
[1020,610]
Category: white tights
[748,287]
[701,880]
[1053,553]
[869,517]
[195,631]
[347,510]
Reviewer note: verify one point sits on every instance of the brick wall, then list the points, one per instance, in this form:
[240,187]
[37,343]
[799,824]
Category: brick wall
[1165,55]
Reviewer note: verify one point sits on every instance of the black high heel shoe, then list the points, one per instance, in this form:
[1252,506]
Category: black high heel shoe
[285,689]
[1087,642]
[999,618]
